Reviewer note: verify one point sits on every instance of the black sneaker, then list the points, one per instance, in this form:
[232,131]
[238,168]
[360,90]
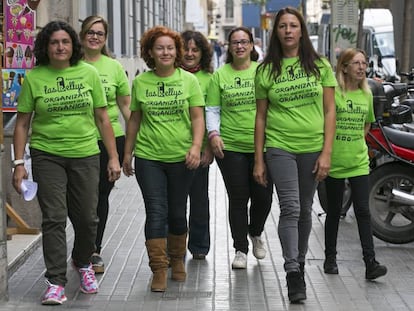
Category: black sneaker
[97,263]
[296,287]
[302,272]
[330,266]
[374,270]
[199,256]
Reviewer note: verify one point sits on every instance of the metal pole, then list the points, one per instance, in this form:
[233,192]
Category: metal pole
[262,13]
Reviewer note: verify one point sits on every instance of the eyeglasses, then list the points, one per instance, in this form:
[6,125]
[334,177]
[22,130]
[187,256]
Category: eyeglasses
[359,64]
[241,42]
[91,33]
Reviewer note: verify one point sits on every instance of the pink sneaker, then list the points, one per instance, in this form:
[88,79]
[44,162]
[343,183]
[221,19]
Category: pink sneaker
[54,295]
[88,283]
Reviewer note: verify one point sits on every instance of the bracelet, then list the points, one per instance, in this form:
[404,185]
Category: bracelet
[17,162]
[213,134]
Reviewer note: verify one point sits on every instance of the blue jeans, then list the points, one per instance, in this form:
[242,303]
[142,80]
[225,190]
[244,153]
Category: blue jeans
[165,188]
[199,219]
[360,199]
[295,186]
[237,171]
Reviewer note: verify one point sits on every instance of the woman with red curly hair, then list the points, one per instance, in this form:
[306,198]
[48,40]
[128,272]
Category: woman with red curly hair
[164,134]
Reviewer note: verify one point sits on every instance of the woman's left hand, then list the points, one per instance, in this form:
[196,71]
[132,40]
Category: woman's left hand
[192,158]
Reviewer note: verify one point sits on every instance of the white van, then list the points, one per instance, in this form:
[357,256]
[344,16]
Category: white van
[378,42]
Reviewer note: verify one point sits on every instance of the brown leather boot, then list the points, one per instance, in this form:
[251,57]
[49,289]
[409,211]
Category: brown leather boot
[177,247]
[158,261]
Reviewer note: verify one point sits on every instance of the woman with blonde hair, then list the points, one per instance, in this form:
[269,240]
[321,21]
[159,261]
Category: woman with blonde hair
[349,160]
[93,35]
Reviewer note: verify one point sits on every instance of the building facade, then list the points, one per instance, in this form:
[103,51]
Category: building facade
[128,20]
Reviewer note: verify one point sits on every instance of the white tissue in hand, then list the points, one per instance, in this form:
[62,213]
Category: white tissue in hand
[29,189]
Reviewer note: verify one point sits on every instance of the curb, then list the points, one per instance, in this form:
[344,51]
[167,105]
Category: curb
[22,256]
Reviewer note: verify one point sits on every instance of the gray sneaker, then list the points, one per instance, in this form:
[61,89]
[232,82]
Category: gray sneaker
[258,249]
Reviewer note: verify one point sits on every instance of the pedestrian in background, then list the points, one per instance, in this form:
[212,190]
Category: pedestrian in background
[197,60]
[295,122]
[164,133]
[230,113]
[93,37]
[354,115]
[67,101]
[259,49]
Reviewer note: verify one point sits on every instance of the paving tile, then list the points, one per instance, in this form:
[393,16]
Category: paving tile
[211,283]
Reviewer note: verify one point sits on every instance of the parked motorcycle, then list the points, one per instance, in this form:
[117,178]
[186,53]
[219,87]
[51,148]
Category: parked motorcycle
[392,167]
[410,81]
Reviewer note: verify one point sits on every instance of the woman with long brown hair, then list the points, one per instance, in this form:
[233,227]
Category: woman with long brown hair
[295,122]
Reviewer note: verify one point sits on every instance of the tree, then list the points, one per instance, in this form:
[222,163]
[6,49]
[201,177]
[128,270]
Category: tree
[362,5]
[405,56]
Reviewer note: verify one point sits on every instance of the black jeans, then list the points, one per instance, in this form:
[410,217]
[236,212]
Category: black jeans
[105,187]
[360,199]
[199,219]
[237,171]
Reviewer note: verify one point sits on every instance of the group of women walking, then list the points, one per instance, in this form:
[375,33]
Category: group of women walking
[269,123]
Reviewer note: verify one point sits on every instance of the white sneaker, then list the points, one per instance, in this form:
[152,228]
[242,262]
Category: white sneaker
[240,261]
[258,249]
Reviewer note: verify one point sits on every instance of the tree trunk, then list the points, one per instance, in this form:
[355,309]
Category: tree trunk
[361,6]
[407,26]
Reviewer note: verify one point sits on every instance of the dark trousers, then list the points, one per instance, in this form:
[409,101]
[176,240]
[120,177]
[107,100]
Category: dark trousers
[199,219]
[67,187]
[237,171]
[164,187]
[360,199]
[105,187]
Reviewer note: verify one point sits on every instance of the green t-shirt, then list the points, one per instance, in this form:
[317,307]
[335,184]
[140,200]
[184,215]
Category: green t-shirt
[233,91]
[165,132]
[295,117]
[204,78]
[63,102]
[350,153]
[115,83]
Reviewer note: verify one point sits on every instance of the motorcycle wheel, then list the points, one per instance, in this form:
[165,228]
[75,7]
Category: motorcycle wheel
[392,221]
[346,200]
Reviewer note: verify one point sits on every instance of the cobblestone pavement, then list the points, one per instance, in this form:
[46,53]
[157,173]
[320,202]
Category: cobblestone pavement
[212,284]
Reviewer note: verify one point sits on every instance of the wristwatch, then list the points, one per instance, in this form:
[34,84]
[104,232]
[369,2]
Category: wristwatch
[18,162]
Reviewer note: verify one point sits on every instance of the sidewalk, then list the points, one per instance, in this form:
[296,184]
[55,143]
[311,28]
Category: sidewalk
[212,284]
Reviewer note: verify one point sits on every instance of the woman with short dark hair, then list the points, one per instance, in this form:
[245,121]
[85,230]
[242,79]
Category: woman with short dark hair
[67,101]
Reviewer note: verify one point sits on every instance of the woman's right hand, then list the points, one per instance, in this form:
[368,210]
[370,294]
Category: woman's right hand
[19,174]
[127,165]
[217,146]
